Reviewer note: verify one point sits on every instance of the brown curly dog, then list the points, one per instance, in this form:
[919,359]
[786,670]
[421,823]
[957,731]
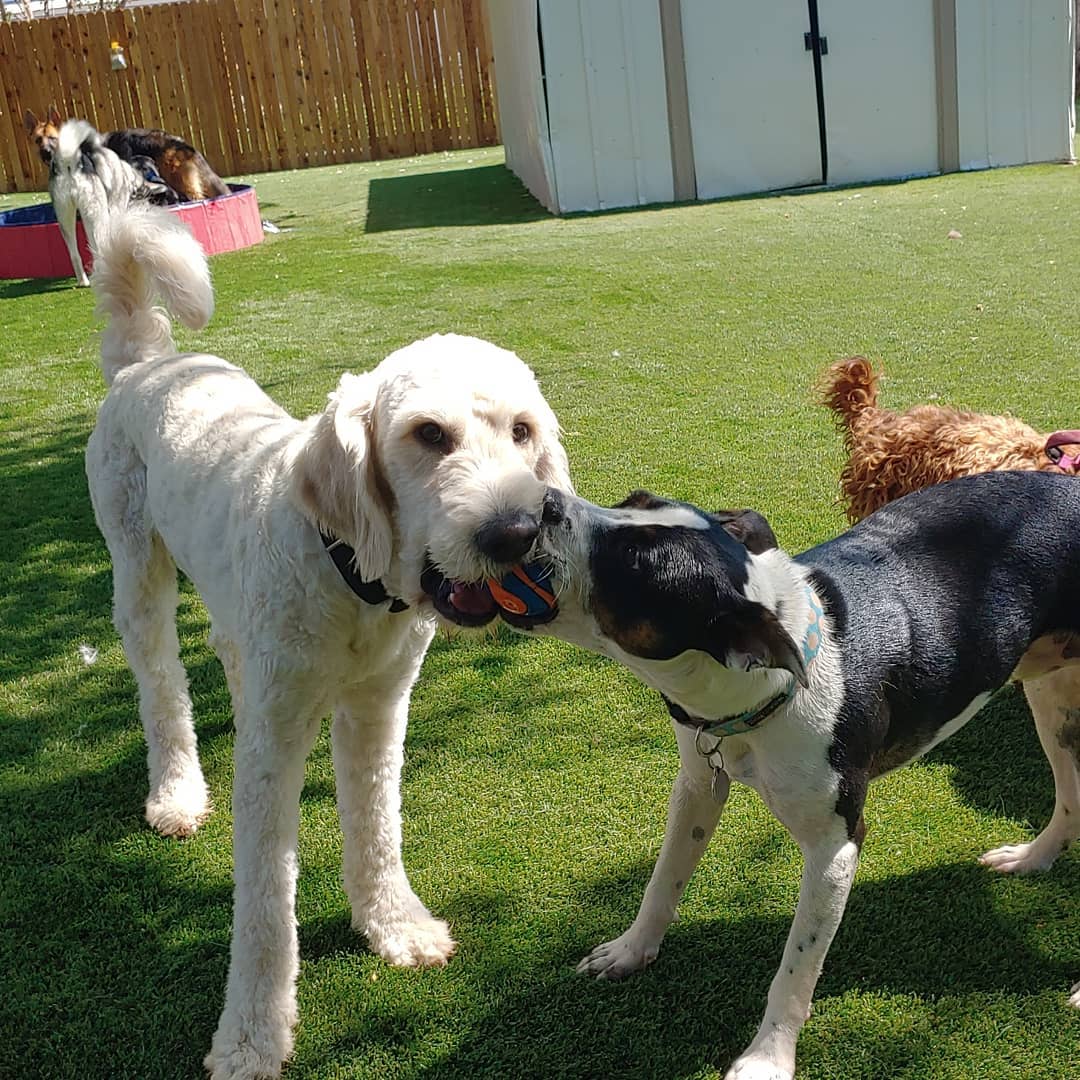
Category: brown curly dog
[892,454]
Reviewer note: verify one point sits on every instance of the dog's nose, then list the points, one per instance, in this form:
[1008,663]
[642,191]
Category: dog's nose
[554,511]
[507,537]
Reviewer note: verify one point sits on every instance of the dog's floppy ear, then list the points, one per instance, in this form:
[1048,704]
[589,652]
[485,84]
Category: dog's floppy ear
[552,465]
[29,122]
[757,639]
[748,527]
[54,116]
[336,477]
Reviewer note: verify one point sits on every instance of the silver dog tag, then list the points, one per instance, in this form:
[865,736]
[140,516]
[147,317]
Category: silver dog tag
[715,786]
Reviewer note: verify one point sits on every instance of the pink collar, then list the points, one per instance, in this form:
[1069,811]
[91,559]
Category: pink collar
[1052,449]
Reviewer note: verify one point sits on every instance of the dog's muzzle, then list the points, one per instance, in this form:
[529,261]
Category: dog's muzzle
[523,596]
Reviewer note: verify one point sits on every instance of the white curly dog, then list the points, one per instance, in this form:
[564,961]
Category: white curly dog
[308,541]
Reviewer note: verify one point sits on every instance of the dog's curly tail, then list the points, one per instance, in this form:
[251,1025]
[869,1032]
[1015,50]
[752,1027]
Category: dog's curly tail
[848,388]
[145,254]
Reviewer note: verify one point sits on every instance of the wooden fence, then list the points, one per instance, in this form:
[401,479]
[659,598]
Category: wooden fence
[258,85]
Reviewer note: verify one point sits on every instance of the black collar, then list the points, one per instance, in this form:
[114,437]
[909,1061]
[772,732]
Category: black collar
[371,592]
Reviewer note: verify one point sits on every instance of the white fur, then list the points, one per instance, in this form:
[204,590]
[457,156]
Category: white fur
[93,193]
[667,517]
[191,464]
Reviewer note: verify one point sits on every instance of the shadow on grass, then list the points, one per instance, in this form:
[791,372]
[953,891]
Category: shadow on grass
[57,595]
[923,934]
[486,195]
[13,290]
[999,766]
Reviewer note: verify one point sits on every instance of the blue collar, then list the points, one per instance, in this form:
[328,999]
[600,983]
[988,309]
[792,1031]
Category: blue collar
[747,721]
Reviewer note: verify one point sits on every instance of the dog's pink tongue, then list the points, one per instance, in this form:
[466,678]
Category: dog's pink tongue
[472,599]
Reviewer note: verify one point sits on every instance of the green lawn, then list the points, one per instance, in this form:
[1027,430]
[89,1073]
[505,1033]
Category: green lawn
[679,347]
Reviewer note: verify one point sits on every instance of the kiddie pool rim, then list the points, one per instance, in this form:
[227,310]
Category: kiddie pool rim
[31,245]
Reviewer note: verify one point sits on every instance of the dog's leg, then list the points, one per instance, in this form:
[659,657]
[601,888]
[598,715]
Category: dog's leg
[831,857]
[1055,704]
[65,218]
[144,612]
[368,737]
[696,803]
[254,1035]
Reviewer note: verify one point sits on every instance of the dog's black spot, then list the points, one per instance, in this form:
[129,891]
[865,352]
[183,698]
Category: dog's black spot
[1069,733]
[800,948]
[678,884]
[698,833]
[813,938]
[791,971]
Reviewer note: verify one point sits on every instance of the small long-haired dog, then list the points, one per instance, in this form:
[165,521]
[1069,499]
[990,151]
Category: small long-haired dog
[87,180]
[892,454]
[176,161]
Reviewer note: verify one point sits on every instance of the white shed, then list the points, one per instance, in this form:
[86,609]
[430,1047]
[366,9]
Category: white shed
[607,103]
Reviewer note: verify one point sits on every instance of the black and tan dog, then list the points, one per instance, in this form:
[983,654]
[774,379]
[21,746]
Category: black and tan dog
[808,677]
[177,162]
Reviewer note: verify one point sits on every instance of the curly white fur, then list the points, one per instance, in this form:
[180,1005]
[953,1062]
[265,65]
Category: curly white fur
[191,464]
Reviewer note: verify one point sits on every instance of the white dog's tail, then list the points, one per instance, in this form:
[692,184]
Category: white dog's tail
[147,254]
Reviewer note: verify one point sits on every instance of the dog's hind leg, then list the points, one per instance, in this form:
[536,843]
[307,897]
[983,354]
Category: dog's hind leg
[368,737]
[65,218]
[696,803]
[144,612]
[1055,704]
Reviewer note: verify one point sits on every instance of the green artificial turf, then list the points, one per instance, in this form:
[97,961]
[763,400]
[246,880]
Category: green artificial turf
[679,347]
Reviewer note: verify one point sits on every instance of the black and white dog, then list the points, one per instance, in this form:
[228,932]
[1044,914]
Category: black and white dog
[808,677]
[86,179]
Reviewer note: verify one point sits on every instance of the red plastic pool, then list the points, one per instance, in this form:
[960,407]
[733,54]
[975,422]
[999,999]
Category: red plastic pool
[31,245]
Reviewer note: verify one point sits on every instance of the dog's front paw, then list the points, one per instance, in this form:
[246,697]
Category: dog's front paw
[1021,858]
[179,809]
[235,1054]
[756,1067]
[616,959]
[423,941]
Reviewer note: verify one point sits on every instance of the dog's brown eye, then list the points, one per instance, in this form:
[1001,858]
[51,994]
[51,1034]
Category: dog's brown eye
[431,434]
[522,433]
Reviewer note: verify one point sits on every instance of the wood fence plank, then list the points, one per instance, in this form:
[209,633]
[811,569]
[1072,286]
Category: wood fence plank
[196,38]
[226,151]
[335,81]
[23,169]
[275,58]
[390,24]
[121,85]
[311,92]
[244,35]
[431,107]
[353,87]
[378,118]
[133,33]
[470,125]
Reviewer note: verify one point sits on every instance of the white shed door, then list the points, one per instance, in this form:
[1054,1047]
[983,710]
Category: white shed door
[753,107]
[880,89]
